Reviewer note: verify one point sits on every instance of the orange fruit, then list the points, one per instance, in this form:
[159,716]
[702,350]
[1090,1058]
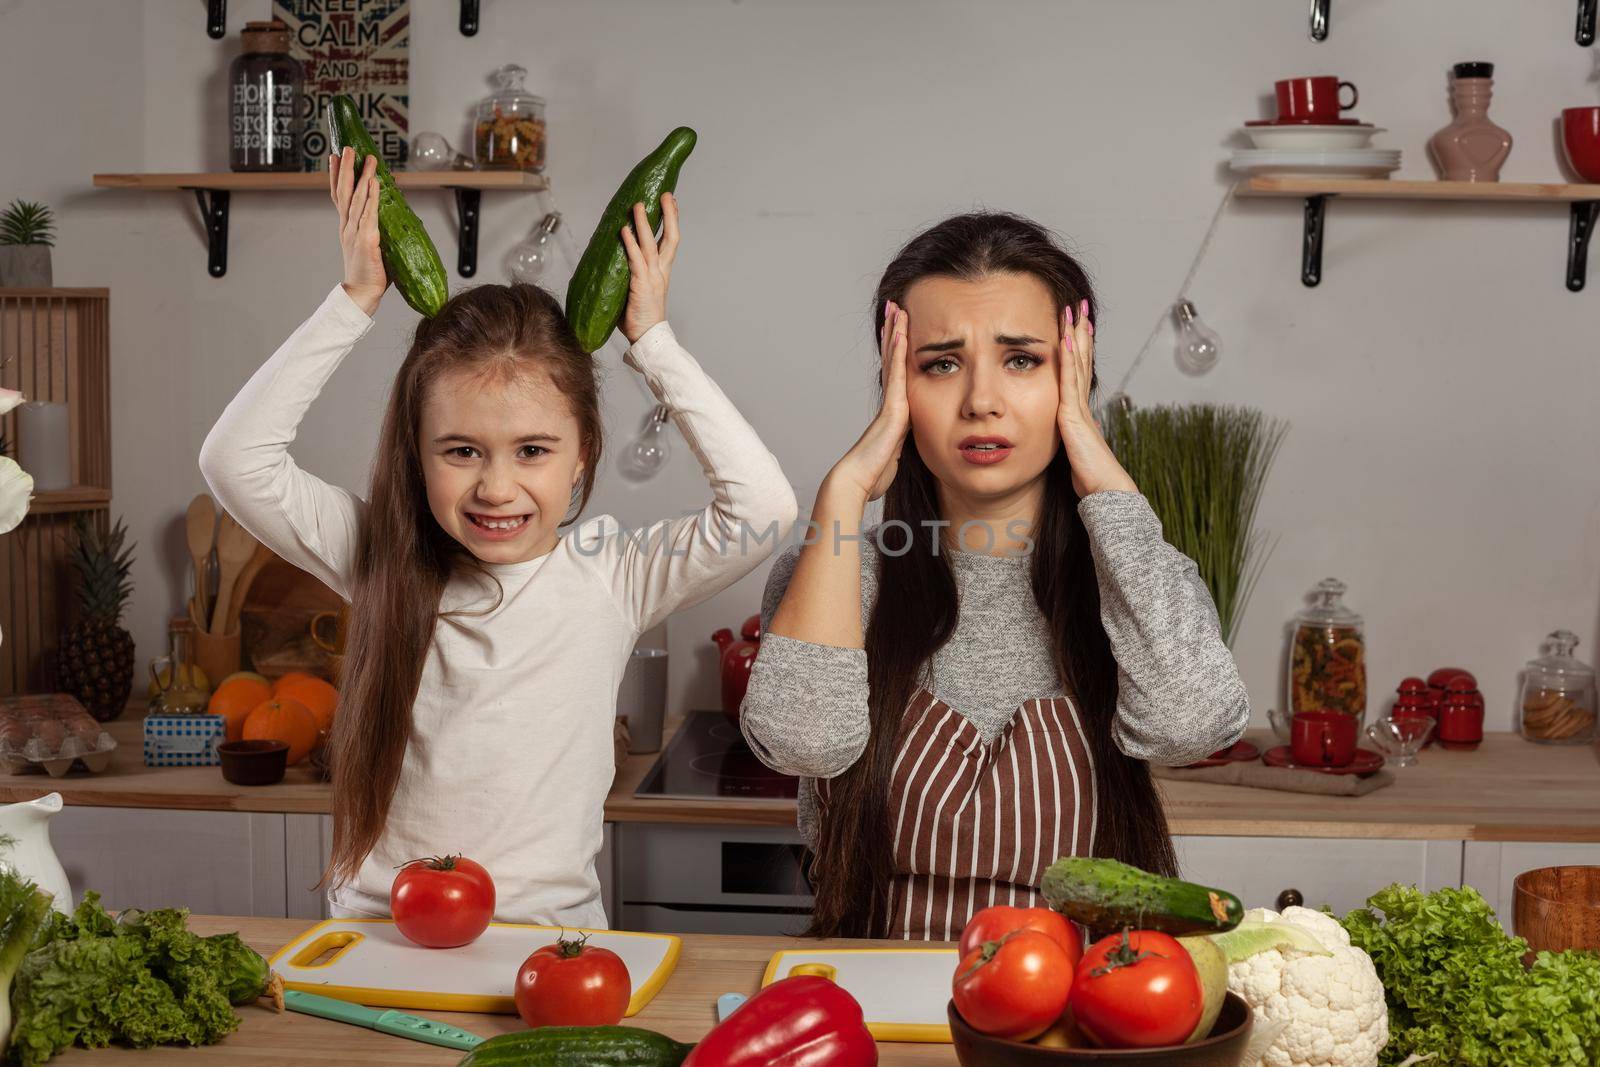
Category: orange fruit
[235,700]
[314,693]
[290,679]
[282,719]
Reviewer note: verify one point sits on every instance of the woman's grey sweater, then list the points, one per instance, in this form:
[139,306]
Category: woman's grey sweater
[1179,697]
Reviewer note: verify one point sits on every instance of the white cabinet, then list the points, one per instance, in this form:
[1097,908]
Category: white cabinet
[1491,867]
[1339,872]
[211,862]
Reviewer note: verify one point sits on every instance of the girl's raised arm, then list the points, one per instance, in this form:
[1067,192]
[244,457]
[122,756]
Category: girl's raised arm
[245,458]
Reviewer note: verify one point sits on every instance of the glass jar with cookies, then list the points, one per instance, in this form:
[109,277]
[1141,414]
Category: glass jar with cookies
[1557,701]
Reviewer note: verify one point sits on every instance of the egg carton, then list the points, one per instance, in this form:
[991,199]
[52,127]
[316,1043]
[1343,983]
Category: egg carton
[51,733]
[57,766]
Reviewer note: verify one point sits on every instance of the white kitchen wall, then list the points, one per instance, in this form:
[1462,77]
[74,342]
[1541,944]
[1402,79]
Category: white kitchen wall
[1440,383]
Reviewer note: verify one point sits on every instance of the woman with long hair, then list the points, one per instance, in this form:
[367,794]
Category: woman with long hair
[977,685]
[486,647]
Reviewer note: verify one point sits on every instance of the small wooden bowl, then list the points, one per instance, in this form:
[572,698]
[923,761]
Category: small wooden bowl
[253,762]
[1230,1036]
[1558,908]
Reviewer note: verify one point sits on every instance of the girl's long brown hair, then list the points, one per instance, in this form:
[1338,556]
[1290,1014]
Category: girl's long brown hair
[916,611]
[406,558]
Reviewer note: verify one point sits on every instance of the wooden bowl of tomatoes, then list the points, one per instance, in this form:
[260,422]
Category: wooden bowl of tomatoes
[1225,1047]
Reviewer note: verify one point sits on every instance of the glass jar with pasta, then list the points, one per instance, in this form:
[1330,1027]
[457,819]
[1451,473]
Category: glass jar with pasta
[509,133]
[1557,705]
[1328,656]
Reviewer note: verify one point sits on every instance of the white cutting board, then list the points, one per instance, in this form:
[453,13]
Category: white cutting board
[369,961]
[903,992]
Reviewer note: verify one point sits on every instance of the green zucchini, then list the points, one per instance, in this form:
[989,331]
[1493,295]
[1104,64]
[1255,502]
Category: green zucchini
[409,257]
[578,1046]
[1107,895]
[599,287]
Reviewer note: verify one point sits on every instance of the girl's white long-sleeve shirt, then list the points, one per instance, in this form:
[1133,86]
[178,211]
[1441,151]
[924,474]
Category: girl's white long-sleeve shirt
[510,757]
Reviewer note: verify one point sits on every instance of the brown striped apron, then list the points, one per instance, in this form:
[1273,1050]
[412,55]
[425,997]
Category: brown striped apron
[977,822]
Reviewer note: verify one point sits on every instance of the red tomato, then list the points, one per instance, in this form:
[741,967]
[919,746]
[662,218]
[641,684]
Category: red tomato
[1015,987]
[991,924]
[571,983]
[442,902]
[1137,990]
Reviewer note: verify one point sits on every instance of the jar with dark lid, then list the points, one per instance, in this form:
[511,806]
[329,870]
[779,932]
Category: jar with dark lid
[264,101]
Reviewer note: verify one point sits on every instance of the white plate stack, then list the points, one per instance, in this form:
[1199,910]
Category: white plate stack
[1314,151]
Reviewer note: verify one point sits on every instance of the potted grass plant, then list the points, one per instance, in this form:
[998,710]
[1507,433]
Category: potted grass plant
[27,233]
[1202,467]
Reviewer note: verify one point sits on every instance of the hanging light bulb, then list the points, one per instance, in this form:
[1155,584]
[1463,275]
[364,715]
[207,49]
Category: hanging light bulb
[430,151]
[528,260]
[644,457]
[1198,344]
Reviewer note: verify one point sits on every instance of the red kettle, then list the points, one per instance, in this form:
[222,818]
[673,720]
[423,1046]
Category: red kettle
[737,657]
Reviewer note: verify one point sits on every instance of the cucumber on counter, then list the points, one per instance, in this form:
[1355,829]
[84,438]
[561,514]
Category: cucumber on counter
[599,287]
[1105,895]
[409,257]
[579,1046]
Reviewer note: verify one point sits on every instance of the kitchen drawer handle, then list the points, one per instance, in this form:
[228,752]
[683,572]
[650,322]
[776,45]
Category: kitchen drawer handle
[815,970]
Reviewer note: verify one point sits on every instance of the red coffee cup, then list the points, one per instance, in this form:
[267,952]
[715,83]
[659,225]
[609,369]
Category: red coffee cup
[1313,99]
[1324,738]
[1580,136]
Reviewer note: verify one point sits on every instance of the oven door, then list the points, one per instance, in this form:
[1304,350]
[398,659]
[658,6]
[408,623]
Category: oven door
[711,879]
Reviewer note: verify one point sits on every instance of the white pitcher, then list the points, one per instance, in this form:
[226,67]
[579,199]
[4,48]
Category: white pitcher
[28,824]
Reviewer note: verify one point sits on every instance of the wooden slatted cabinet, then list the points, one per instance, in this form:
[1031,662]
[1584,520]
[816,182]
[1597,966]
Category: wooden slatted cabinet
[54,346]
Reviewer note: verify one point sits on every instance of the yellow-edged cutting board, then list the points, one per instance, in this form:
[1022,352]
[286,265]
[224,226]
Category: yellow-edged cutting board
[368,961]
[903,992]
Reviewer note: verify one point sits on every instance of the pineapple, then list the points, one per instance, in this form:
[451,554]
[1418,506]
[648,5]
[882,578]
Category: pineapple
[95,662]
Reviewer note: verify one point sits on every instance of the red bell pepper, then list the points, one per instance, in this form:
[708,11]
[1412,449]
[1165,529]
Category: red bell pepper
[803,1021]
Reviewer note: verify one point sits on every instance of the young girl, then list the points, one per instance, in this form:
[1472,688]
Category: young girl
[975,688]
[485,649]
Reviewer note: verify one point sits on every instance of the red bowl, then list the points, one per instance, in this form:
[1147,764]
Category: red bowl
[1580,136]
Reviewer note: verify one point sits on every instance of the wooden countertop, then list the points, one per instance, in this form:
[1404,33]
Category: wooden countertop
[684,1010]
[1506,790]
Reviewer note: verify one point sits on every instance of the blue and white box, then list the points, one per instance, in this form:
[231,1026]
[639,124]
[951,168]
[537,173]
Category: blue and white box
[183,740]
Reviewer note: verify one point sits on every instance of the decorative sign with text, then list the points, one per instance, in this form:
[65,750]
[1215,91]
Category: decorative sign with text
[358,47]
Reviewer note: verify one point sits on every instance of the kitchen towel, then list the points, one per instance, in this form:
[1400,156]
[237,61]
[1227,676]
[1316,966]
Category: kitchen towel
[1285,779]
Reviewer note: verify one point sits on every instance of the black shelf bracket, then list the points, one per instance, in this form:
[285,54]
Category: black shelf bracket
[214,216]
[216,19]
[1584,215]
[1319,20]
[1586,19]
[467,207]
[1311,244]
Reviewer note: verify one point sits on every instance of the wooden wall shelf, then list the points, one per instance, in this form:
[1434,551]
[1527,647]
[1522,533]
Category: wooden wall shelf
[213,190]
[217,18]
[1583,202]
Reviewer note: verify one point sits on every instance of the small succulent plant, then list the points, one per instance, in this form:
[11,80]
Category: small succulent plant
[27,223]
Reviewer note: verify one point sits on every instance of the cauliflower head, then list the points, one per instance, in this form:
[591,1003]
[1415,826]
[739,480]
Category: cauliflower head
[1333,1005]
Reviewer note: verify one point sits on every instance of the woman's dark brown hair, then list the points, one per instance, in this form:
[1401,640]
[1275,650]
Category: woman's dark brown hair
[405,557]
[916,609]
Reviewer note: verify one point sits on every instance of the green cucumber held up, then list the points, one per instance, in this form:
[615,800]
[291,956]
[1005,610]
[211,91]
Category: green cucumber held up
[1107,895]
[579,1046]
[409,257]
[599,287]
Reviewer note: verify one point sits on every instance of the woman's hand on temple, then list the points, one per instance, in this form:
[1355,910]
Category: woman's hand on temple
[1094,466]
[869,467]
